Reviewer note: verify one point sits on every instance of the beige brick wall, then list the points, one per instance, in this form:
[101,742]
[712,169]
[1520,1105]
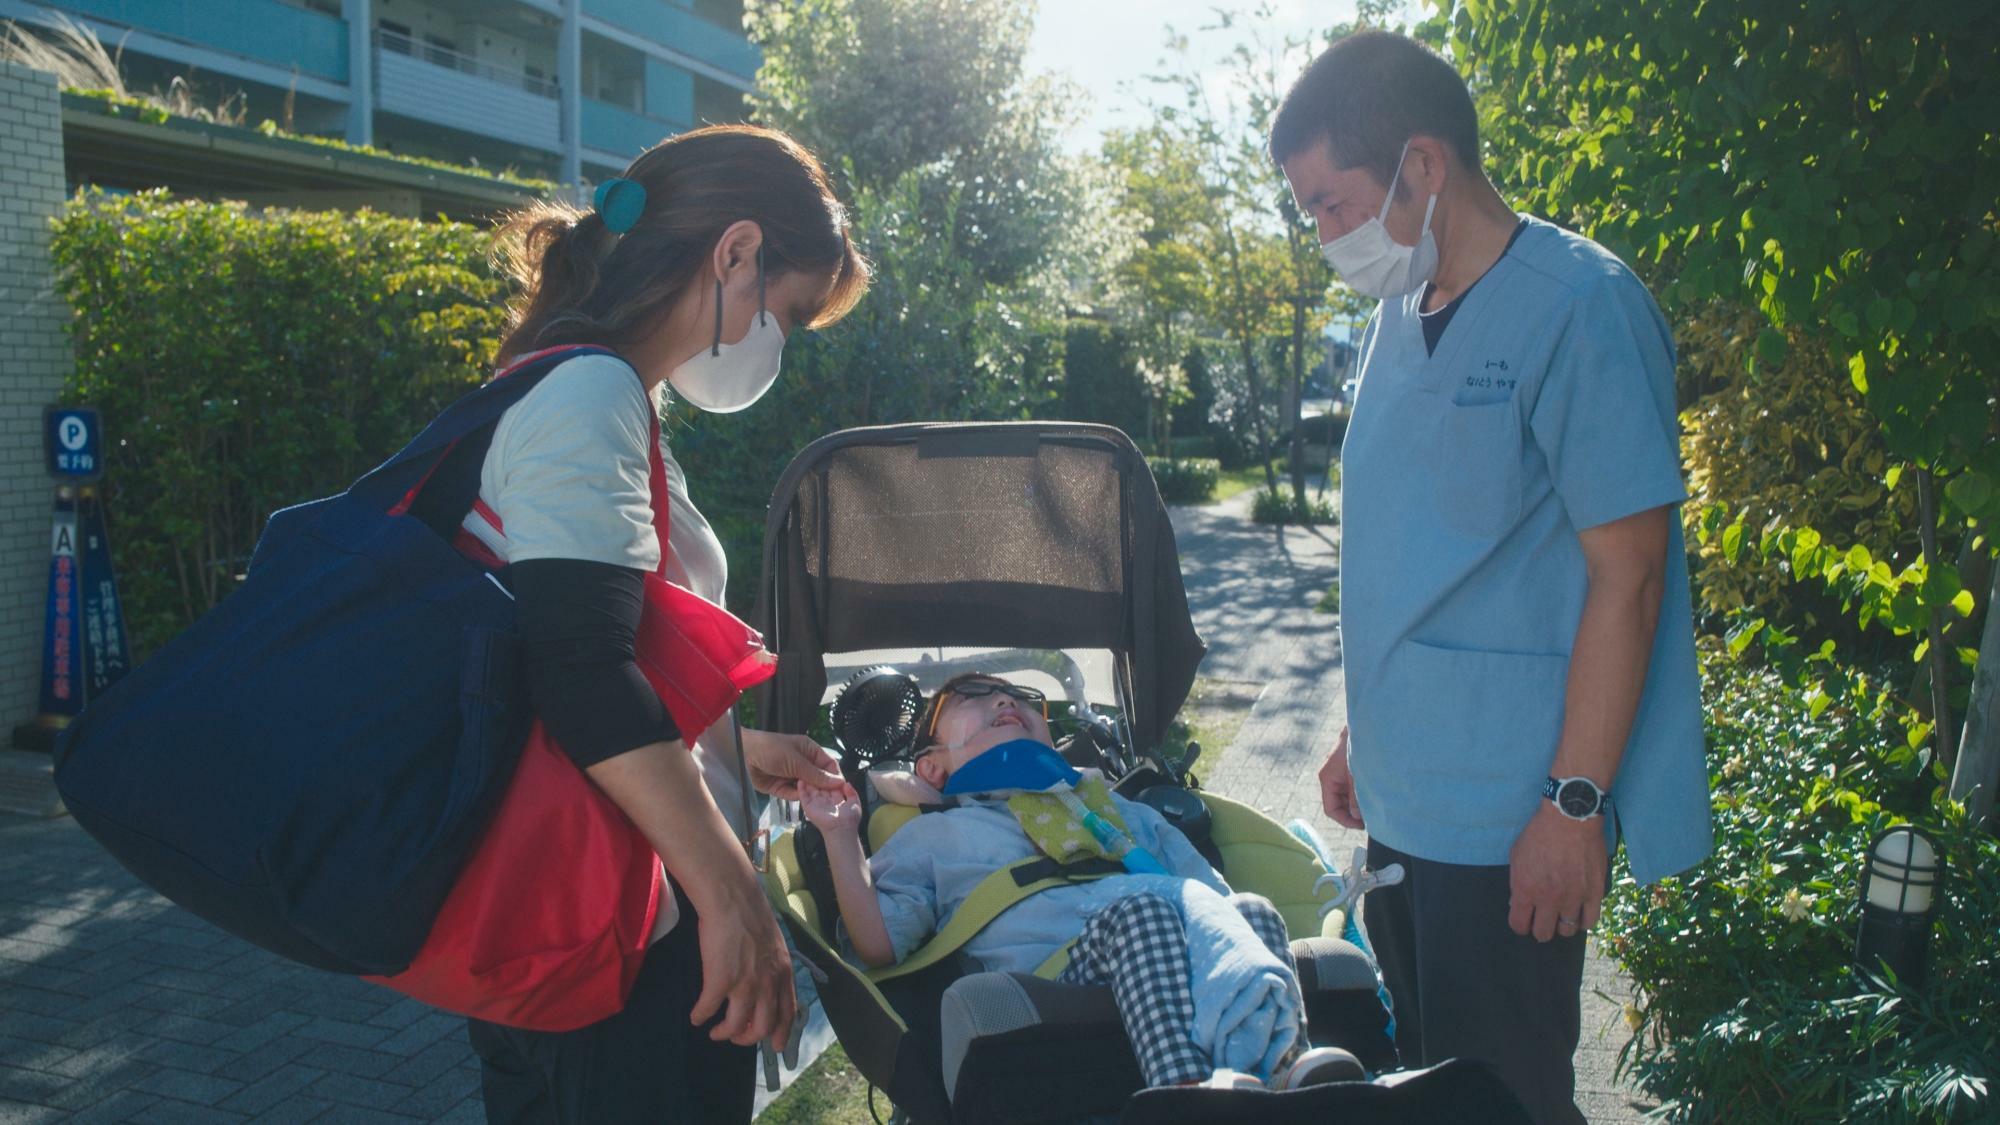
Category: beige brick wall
[34,359]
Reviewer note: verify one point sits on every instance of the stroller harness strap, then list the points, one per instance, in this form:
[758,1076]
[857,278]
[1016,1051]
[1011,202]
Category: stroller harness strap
[995,895]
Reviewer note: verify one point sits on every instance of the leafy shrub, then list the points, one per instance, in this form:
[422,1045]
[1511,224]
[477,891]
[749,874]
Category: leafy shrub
[1186,480]
[246,361]
[1101,379]
[1282,507]
[1748,1007]
[1329,602]
[1232,449]
[1784,444]
[153,111]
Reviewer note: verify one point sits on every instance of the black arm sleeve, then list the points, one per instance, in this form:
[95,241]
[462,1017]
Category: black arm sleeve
[578,621]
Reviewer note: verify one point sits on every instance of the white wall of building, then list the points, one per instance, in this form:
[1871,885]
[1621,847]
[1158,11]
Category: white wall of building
[34,361]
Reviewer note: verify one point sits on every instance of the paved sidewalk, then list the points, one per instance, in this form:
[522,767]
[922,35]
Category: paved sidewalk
[1253,592]
[116,1006]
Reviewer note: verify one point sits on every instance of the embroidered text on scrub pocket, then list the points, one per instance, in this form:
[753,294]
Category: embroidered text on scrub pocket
[1484,388]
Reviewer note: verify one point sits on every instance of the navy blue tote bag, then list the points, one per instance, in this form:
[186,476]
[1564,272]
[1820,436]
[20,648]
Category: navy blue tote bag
[309,765]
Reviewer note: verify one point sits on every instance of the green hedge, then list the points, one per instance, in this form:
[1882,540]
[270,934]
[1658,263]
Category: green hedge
[246,361]
[1282,507]
[1187,480]
[1748,1007]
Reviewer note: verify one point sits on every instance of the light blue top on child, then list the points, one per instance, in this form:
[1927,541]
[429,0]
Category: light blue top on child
[1466,476]
[931,865]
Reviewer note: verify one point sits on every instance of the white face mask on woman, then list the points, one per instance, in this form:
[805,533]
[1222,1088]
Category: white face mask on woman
[729,377]
[1375,265]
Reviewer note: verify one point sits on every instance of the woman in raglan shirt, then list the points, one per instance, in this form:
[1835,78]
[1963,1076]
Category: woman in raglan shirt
[692,268]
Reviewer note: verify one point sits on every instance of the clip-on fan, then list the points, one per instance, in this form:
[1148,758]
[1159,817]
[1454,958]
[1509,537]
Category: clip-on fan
[874,721]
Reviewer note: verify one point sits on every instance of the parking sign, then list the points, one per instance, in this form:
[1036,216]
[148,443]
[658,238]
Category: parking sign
[75,443]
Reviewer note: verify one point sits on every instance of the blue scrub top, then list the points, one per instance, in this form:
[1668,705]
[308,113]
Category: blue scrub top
[1547,408]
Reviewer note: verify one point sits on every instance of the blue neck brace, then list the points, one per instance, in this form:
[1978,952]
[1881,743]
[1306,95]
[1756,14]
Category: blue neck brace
[1021,764]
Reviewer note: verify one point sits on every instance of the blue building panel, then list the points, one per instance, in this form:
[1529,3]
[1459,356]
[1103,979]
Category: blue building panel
[669,91]
[671,25]
[618,130]
[264,30]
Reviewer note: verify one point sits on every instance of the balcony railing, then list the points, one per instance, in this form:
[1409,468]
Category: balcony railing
[437,85]
[264,30]
[669,24]
[400,44]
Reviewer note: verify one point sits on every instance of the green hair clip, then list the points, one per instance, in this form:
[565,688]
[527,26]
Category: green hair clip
[619,203]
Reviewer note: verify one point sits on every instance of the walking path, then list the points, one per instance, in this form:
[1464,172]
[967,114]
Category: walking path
[116,1006]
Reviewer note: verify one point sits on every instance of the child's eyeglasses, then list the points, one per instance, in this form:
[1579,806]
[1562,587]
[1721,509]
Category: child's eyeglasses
[980,689]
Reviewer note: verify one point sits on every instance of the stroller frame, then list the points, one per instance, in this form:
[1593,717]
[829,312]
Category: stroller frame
[1027,535]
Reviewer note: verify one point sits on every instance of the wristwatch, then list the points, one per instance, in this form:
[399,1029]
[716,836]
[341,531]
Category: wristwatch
[1577,798]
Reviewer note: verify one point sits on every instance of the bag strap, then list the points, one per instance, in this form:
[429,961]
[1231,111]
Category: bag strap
[394,484]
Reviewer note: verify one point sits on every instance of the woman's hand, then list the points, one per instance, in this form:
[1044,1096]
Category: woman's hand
[781,764]
[746,971]
[831,810]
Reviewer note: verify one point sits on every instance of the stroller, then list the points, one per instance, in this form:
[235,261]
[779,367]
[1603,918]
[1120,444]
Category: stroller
[1040,548]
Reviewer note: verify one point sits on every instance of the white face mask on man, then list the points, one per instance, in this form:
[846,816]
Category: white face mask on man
[729,377]
[1375,265]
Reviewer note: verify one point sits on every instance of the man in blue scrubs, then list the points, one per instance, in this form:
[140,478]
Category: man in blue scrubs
[1517,624]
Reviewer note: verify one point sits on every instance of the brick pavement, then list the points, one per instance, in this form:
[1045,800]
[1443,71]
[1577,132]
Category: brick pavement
[116,1006]
[1252,591]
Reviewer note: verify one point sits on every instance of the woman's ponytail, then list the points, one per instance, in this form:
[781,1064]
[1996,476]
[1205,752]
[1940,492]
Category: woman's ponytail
[554,252]
[580,283]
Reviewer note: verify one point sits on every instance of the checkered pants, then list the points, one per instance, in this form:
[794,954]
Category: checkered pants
[1138,946]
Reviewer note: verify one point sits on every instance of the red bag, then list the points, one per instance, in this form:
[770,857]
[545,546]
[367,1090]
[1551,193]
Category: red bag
[550,920]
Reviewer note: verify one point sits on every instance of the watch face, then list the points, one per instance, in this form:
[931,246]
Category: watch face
[1578,798]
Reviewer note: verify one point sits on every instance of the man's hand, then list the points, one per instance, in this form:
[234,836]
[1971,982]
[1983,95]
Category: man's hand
[1336,787]
[782,764]
[1556,875]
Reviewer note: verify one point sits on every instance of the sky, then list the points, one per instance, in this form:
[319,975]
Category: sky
[1108,47]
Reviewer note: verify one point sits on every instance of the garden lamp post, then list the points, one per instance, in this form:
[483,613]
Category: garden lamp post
[1898,902]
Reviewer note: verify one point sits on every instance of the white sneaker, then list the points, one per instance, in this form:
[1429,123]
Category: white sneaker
[1227,1079]
[1321,1065]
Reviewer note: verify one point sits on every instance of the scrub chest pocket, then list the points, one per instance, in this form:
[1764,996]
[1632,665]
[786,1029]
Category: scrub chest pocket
[1477,460]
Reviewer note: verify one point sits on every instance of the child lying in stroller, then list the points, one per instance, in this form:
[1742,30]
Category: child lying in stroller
[1203,978]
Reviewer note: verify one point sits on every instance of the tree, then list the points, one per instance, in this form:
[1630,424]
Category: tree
[1833,168]
[981,231]
[1158,293]
[932,91]
[1234,236]
[1265,277]
[1263,74]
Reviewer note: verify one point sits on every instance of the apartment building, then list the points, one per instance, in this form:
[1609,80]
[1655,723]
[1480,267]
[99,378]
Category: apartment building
[567,90]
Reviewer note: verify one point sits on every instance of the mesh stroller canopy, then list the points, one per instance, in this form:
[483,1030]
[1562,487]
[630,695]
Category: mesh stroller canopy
[1025,534]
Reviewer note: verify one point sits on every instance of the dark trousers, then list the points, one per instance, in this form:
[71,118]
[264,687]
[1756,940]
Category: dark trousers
[647,1065]
[1464,985]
